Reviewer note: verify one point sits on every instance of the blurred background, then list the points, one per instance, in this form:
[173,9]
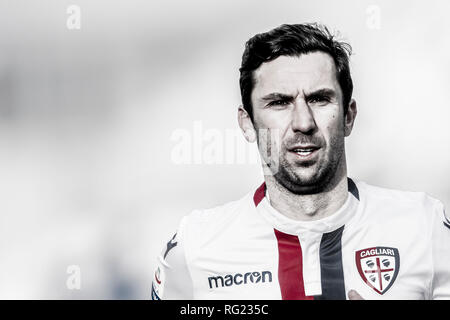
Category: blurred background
[96,101]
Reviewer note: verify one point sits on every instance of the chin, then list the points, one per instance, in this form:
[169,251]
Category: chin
[305,189]
[302,183]
[306,176]
[306,180]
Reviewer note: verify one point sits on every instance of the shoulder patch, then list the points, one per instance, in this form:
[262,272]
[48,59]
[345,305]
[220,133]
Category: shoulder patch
[170,245]
[155,295]
[446,221]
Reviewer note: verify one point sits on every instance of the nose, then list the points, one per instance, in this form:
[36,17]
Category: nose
[303,118]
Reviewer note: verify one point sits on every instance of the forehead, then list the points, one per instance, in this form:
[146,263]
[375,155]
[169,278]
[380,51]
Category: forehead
[291,75]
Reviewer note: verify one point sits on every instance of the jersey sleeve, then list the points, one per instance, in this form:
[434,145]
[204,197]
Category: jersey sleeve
[440,284]
[172,280]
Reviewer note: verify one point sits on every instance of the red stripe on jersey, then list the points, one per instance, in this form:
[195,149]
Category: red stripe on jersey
[290,267]
[260,193]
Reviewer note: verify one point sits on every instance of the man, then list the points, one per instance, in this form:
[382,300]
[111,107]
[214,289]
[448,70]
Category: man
[309,232]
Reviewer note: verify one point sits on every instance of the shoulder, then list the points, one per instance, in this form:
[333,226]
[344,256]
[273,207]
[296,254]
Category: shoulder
[202,222]
[396,197]
[410,204]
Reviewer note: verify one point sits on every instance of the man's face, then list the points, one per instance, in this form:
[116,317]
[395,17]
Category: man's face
[300,101]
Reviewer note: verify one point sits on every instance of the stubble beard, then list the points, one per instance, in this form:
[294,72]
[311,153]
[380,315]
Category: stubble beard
[325,171]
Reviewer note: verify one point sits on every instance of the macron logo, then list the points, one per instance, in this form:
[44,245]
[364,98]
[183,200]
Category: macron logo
[238,279]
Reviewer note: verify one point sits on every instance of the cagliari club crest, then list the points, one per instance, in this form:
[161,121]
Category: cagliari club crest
[378,267]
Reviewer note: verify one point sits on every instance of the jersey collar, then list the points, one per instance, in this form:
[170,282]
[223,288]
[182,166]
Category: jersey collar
[290,226]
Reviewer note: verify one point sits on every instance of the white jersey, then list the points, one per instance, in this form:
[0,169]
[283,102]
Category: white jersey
[385,244]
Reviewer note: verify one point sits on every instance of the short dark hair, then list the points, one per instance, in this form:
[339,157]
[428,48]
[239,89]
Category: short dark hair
[294,40]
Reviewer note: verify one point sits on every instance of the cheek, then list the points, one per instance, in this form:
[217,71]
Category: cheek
[276,122]
[331,127]
[273,118]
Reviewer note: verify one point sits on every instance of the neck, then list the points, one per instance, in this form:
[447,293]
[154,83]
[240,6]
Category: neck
[311,206]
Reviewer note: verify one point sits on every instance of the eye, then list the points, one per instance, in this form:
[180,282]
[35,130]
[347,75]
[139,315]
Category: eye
[278,103]
[319,100]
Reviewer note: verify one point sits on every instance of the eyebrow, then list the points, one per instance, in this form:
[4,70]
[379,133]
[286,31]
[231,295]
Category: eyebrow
[276,96]
[325,92]
[282,96]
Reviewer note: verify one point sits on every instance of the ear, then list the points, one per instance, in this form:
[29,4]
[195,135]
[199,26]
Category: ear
[246,125]
[350,117]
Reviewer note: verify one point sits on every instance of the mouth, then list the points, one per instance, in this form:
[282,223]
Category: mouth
[305,152]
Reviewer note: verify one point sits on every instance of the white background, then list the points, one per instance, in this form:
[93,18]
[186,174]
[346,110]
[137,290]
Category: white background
[87,176]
